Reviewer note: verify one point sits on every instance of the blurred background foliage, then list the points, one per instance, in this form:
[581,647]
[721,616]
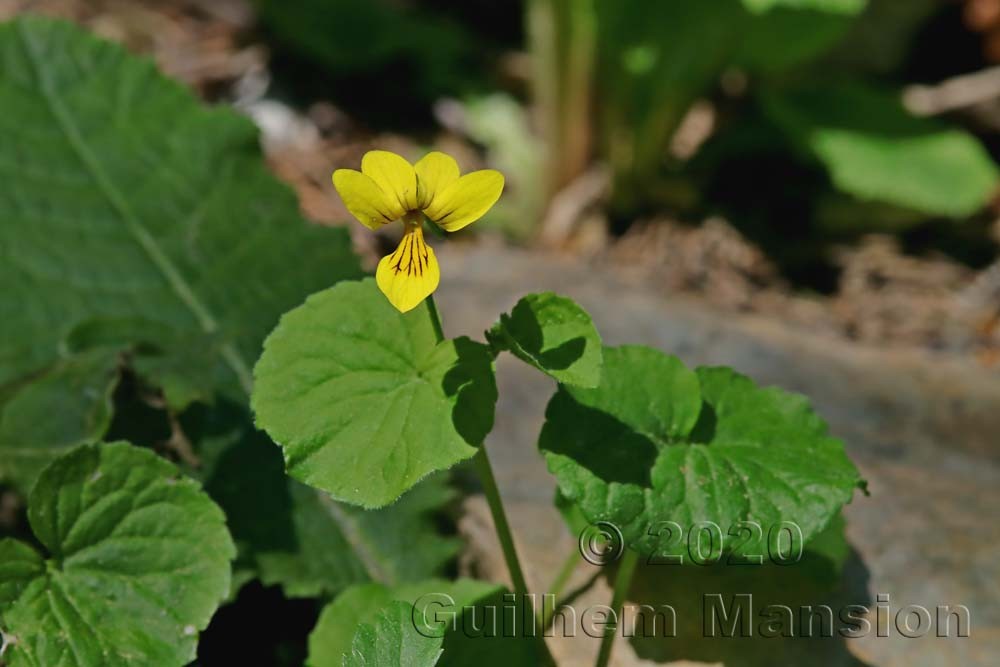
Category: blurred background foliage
[389,60]
[786,116]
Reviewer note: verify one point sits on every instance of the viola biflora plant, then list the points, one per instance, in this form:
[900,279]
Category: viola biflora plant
[149,247]
[367,396]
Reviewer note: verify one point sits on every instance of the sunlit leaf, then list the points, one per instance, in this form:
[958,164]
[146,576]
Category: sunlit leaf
[553,334]
[658,443]
[363,399]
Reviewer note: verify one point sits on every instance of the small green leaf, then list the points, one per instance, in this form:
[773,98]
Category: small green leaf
[392,641]
[553,334]
[474,617]
[19,565]
[363,399]
[570,513]
[656,443]
[138,559]
[337,623]
[64,406]
[339,620]
[875,150]
[296,536]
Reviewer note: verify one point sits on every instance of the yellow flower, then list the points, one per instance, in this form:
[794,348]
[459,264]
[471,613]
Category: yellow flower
[389,188]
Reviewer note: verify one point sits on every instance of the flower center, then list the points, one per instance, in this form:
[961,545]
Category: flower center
[413,219]
[412,257]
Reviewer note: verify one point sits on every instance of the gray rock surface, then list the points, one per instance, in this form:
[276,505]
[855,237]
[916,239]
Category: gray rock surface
[922,429]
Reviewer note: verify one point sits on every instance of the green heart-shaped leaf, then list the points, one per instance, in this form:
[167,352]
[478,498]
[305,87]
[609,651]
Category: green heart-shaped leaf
[553,334]
[656,442]
[138,559]
[363,399]
[392,641]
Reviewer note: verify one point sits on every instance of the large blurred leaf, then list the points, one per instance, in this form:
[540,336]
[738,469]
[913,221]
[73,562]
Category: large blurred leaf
[792,33]
[152,354]
[123,198]
[879,41]
[875,150]
[353,35]
[658,443]
[364,400]
[61,407]
[656,58]
[137,560]
[298,537]
[361,43]
[849,7]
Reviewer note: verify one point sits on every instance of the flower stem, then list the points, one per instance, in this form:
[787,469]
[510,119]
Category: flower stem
[622,582]
[435,318]
[556,589]
[485,472]
[489,484]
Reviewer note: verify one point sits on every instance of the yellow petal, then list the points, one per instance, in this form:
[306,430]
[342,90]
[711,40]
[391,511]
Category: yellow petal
[395,176]
[466,200]
[435,171]
[411,274]
[364,199]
